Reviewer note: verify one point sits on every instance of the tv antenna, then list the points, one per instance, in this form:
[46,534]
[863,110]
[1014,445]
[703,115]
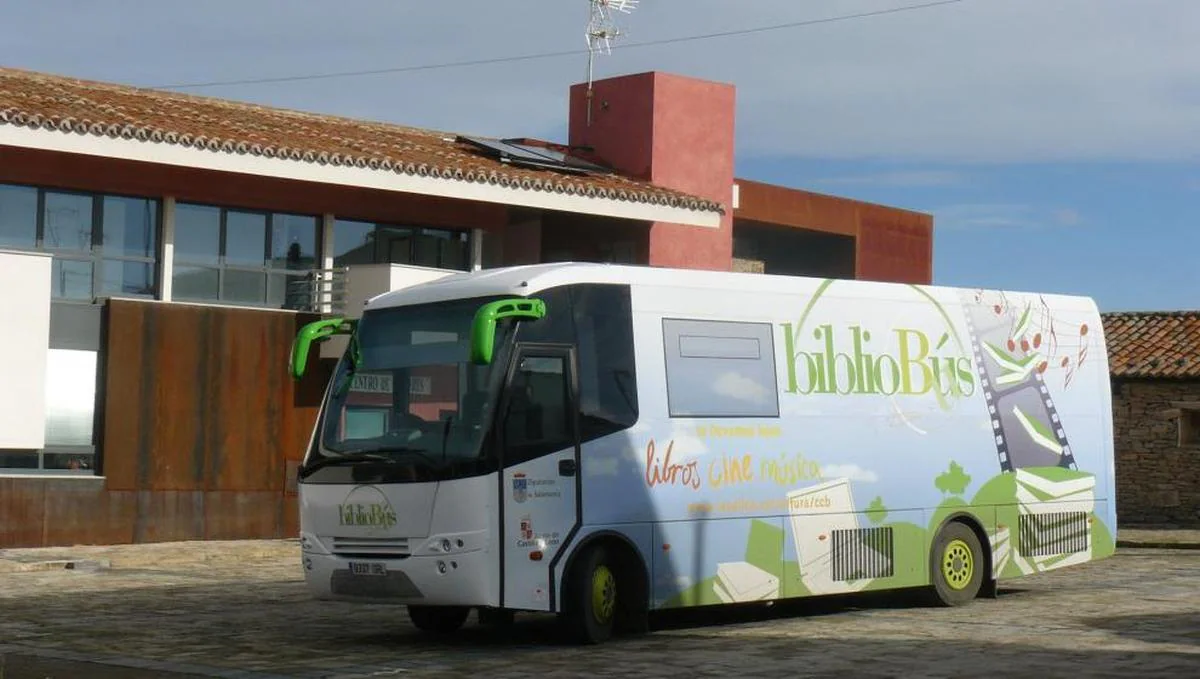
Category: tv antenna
[601,31]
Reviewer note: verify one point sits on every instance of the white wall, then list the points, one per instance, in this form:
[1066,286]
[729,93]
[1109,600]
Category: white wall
[24,345]
[364,281]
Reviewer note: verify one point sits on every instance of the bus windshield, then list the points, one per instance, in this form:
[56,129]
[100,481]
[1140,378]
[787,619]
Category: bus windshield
[413,396]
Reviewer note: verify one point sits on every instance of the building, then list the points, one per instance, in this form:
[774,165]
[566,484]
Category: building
[1155,366]
[167,247]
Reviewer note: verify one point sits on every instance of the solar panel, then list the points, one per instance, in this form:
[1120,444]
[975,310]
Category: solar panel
[533,156]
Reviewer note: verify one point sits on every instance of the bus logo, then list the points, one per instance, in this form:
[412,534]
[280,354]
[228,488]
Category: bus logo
[520,488]
[368,507]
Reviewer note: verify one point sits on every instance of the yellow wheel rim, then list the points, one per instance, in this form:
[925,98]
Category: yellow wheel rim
[958,565]
[604,594]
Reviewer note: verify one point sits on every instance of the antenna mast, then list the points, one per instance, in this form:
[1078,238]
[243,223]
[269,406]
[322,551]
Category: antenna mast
[601,31]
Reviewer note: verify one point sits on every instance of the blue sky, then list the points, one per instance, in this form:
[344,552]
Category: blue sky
[1056,142]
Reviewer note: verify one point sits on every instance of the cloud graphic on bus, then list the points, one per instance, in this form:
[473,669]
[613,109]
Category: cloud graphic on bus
[741,388]
[852,472]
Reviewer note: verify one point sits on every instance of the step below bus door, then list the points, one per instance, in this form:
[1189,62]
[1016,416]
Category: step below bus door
[539,439]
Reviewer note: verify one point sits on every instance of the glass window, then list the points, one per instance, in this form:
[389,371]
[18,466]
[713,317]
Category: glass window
[244,287]
[353,243]
[71,278]
[239,256]
[293,242]
[537,417]
[288,291]
[130,227]
[720,369]
[195,283]
[245,238]
[67,222]
[70,397]
[607,370]
[426,249]
[197,234]
[102,245]
[18,216]
[357,242]
[123,277]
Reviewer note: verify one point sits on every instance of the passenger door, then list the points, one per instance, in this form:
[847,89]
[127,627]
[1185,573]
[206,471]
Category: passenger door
[539,441]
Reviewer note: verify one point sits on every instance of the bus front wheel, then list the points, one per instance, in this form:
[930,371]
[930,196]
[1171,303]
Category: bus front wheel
[957,565]
[591,602]
[438,619]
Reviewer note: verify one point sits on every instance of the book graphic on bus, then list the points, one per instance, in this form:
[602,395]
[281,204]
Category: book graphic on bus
[1001,549]
[741,582]
[1054,519]
[831,550]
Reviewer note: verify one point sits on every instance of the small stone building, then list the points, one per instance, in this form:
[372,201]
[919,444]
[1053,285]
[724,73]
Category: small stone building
[1155,365]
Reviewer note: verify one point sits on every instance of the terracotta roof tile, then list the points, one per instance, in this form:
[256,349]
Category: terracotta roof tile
[71,105]
[1162,344]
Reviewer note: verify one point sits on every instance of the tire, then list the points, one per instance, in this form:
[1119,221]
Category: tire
[956,565]
[590,605]
[438,619]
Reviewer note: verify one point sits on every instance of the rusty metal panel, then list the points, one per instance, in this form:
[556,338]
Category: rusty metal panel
[895,247]
[242,515]
[169,516]
[22,512]
[82,512]
[202,419]
[178,364]
[290,523]
[122,432]
[772,204]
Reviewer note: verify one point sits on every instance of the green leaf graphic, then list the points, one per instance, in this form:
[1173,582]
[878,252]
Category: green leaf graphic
[954,481]
[876,512]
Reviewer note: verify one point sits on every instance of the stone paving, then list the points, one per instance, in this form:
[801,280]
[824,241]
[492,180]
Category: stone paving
[240,610]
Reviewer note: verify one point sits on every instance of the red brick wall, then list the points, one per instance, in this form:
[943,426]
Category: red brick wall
[677,132]
[1157,481]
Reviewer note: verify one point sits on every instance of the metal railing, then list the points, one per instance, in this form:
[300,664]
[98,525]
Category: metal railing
[321,291]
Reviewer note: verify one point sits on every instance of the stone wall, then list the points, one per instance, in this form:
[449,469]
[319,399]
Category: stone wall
[1158,482]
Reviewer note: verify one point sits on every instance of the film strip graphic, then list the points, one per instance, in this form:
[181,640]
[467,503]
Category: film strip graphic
[1026,425]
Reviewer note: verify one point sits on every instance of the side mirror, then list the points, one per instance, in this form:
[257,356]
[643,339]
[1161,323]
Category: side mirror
[317,331]
[483,328]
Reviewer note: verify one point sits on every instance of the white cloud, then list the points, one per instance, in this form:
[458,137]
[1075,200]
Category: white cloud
[740,387]
[993,215]
[900,178]
[1067,217]
[1018,80]
[849,471]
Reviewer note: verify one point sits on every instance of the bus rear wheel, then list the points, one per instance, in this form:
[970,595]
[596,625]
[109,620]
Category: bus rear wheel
[438,619]
[957,565]
[590,608]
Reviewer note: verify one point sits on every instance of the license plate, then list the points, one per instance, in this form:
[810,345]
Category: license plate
[368,568]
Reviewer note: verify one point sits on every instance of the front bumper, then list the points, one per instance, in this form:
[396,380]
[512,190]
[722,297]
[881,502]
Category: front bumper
[436,580]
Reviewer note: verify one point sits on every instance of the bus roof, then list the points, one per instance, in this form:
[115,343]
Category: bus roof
[521,281]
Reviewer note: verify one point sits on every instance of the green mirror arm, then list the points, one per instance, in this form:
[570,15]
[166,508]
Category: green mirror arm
[317,331]
[483,328]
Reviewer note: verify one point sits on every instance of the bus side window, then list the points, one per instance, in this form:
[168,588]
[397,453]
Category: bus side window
[537,418]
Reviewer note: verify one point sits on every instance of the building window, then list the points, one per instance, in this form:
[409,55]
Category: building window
[70,417]
[102,245]
[1189,426]
[243,257]
[720,369]
[356,242]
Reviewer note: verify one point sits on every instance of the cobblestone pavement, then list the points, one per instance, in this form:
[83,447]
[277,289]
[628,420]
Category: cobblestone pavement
[240,610]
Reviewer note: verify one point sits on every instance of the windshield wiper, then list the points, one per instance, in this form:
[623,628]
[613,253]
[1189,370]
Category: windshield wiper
[376,454]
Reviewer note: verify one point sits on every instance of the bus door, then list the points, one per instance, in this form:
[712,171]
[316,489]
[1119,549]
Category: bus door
[539,448]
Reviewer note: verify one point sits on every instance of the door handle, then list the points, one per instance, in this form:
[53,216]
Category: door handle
[566,467]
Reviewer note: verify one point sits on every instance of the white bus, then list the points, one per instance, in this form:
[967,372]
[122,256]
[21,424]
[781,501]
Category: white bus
[602,442]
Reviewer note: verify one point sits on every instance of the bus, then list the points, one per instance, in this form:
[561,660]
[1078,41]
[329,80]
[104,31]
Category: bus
[602,442]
